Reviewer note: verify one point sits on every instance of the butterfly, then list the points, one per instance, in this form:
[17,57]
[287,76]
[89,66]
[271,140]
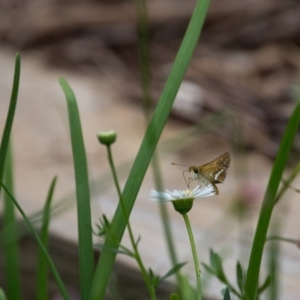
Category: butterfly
[211,173]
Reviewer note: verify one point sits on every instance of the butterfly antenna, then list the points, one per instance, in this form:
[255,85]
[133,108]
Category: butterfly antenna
[178,165]
[185,178]
[182,172]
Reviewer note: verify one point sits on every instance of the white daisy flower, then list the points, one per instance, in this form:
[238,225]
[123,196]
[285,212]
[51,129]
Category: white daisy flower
[183,200]
[197,192]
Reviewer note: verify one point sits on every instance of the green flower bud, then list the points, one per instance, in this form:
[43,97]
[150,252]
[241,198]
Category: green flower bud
[107,137]
[183,206]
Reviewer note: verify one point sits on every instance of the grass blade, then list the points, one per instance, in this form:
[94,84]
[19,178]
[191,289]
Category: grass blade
[10,115]
[227,294]
[268,204]
[42,264]
[149,144]
[50,262]
[11,251]
[86,255]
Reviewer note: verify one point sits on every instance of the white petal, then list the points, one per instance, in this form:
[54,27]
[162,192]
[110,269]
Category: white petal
[177,194]
[160,196]
[206,191]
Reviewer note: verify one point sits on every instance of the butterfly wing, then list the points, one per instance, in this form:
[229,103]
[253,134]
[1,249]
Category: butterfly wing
[215,171]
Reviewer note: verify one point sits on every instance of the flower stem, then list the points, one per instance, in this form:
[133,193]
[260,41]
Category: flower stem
[137,256]
[195,256]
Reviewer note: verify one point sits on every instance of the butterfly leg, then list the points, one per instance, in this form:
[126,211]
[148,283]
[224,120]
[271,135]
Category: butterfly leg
[189,181]
[216,189]
[207,183]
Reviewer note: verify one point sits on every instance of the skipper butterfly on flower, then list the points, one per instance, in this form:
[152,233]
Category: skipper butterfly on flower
[211,173]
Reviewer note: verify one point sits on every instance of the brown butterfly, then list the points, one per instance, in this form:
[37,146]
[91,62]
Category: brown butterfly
[211,173]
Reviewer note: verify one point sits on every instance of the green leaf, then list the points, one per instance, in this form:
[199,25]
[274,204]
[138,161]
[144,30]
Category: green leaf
[265,285]
[151,273]
[172,271]
[42,292]
[240,277]
[187,290]
[252,276]
[38,239]
[138,241]
[209,269]
[149,144]
[154,279]
[86,255]
[227,294]
[115,250]
[103,226]
[216,261]
[217,266]
[211,257]
[216,269]
[10,115]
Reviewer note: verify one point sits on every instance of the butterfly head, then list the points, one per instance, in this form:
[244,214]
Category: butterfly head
[194,171]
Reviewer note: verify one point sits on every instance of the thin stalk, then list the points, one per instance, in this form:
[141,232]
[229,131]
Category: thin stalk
[283,239]
[131,236]
[287,183]
[42,292]
[11,242]
[274,261]
[195,256]
[144,56]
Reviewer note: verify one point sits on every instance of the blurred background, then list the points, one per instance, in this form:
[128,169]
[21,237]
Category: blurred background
[237,96]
